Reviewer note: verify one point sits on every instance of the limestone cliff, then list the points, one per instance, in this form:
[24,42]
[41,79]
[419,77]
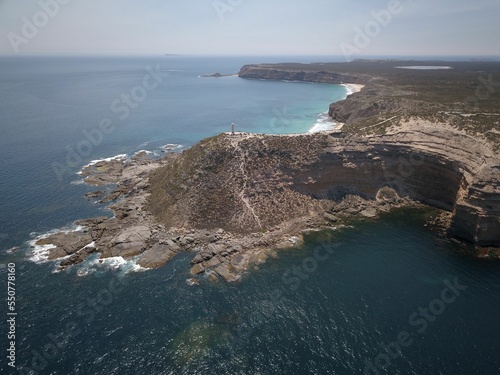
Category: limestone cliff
[247,183]
[426,133]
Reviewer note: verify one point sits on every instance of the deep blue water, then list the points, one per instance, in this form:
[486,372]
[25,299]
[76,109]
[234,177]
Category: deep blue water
[328,308]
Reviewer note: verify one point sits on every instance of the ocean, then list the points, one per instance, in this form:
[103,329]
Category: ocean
[386,296]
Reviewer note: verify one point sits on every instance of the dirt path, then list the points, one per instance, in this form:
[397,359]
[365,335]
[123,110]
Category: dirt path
[242,155]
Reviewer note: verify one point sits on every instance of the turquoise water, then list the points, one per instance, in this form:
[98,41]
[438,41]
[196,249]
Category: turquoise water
[48,104]
[374,298]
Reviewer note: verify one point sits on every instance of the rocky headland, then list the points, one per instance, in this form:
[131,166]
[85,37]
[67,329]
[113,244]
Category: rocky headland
[234,199]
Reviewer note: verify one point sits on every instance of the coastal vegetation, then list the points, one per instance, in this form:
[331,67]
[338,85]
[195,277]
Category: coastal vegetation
[466,96]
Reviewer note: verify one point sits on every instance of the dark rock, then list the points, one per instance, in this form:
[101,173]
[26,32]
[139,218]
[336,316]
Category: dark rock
[330,217]
[69,241]
[12,250]
[231,319]
[212,262]
[228,272]
[173,246]
[78,257]
[95,194]
[197,268]
[369,212]
[197,259]
[206,255]
[215,75]
[156,256]
[91,222]
[111,197]
[186,241]
[124,249]
[140,233]
[192,281]
[57,252]
[212,276]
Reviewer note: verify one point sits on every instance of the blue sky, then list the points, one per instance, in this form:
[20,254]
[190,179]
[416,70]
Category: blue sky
[249,27]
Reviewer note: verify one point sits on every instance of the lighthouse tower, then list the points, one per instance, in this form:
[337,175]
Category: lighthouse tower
[232,128]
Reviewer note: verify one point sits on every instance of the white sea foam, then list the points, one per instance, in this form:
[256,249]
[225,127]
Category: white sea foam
[74,228]
[118,264]
[349,89]
[40,253]
[171,147]
[137,268]
[94,162]
[323,123]
[90,245]
[147,152]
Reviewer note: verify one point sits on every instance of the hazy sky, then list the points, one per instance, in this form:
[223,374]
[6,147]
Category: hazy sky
[250,27]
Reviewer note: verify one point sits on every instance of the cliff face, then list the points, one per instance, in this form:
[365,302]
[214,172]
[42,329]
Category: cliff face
[397,135]
[477,209]
[236,197]
[364,169]
[248,183]
[272,73]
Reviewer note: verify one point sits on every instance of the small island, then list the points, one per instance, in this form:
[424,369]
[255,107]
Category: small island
[410,137]
[217,75]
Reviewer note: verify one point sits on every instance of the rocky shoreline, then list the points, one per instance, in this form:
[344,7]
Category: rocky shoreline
[221,248]
[234,199]
[134,233]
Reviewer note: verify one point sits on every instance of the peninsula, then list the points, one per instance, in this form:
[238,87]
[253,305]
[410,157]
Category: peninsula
[417,136]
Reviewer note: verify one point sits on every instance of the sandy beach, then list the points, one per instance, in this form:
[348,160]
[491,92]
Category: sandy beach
[353,87]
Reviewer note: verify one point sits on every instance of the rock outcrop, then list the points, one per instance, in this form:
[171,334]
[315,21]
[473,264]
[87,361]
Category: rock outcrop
[476,213]
[234,198]
[251,183]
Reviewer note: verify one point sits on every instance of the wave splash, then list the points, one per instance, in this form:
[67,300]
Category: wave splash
[323,123]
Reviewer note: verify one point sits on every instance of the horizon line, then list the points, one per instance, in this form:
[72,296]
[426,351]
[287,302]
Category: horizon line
[341,57]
